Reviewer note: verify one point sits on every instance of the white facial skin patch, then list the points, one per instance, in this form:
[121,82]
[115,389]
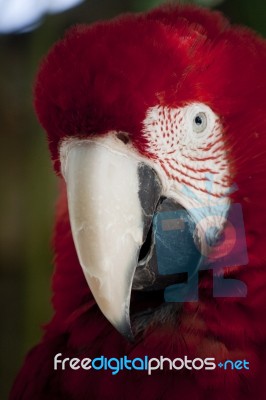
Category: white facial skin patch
[188,146]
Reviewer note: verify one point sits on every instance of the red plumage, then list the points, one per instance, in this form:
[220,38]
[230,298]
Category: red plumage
[102,78]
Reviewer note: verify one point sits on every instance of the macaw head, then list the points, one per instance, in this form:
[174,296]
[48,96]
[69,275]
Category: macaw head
[146,115]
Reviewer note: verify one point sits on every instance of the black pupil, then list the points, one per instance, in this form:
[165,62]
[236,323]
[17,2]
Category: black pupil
[198,120]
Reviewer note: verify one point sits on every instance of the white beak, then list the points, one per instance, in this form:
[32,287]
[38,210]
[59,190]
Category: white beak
[106,220]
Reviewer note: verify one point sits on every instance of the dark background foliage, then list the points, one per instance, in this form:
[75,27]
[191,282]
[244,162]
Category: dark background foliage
[28,186]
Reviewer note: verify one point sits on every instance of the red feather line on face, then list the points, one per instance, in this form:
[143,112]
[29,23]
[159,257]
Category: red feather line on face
[197,156]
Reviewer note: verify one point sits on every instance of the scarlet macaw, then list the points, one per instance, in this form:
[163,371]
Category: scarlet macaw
[161,109]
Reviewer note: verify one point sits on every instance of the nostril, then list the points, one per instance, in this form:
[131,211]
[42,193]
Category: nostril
[123,136]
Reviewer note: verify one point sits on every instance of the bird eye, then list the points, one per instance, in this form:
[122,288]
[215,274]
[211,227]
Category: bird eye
[199,122]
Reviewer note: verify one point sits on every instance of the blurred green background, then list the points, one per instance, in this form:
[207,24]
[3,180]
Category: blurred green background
[28,185]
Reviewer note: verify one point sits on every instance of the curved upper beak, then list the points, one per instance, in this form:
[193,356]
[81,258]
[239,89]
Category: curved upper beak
[108,218]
